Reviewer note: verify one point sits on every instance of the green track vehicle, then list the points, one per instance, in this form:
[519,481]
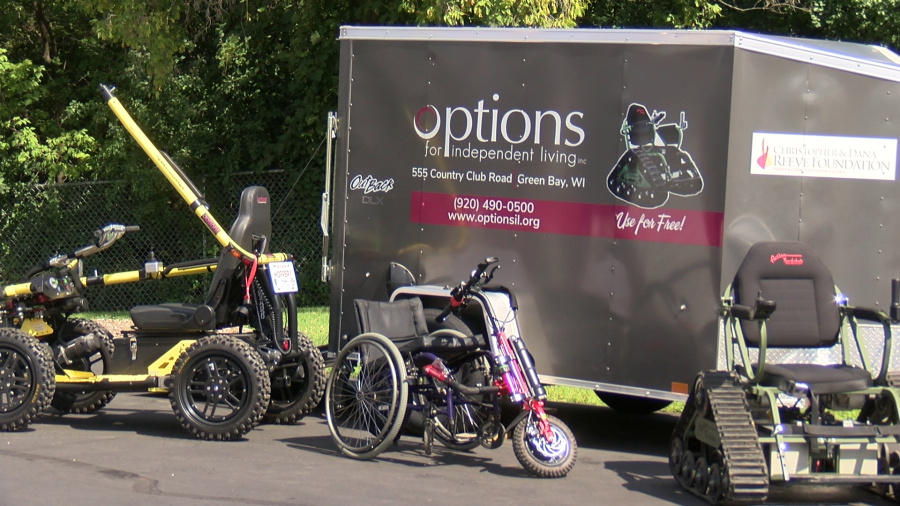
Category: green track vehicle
[763,421]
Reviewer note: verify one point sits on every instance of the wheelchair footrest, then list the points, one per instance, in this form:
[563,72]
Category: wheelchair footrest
[833,478]
[841,431]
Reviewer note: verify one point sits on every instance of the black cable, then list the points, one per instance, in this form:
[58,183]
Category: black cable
[299,175]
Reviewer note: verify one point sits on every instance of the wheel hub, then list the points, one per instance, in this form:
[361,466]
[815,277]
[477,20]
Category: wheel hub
[551,451]
[12,368]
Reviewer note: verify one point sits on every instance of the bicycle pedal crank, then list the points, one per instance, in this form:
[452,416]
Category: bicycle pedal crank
[428,436]
[492,435]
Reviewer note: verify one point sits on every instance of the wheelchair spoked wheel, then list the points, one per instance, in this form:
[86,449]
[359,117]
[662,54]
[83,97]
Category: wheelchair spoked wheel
[365,400]
[461,433]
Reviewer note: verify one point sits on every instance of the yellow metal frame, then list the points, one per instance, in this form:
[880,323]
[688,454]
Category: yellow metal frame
[184,189]
[116,278]
[187,193]
[163,365]
[161,368]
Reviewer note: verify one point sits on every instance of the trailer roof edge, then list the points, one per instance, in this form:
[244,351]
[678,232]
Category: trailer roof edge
[800,50]
[868,60]
[484,34]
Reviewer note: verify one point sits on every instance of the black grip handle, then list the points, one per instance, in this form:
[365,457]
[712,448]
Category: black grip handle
[487,262]
[443,316]
[132,228]
[895,299]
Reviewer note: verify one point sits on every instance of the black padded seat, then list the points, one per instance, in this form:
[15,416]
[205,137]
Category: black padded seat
[252,222]
[796,279]
[821,379]
[403,322]
[172,316]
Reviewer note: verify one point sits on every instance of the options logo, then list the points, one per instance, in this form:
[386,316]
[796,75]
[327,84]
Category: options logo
[493,125]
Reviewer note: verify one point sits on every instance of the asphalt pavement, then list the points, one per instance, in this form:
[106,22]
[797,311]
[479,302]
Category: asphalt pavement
[134,452]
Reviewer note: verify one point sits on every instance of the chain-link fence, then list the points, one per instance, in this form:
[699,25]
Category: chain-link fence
[49,219]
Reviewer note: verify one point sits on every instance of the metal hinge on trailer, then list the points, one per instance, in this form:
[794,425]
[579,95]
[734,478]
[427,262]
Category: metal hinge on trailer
[330,135]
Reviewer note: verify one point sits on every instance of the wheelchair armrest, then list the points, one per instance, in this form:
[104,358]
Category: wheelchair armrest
[761,310]
[742,312]
[864,313]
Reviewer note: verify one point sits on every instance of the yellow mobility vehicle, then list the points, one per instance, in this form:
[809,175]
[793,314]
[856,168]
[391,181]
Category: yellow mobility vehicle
[220,384]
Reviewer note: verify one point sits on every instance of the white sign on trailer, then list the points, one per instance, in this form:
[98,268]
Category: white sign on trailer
[775,154]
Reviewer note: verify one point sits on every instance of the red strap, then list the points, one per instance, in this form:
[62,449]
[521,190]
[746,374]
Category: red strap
[249,279]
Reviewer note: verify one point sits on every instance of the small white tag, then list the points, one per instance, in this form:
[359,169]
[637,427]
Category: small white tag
[283,277]
[848,423]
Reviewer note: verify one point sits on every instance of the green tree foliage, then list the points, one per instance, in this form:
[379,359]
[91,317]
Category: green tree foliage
[227,86]
[533,13]
[652,14]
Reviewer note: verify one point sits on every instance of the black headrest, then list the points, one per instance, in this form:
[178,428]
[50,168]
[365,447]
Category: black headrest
[254,218]
[792,275]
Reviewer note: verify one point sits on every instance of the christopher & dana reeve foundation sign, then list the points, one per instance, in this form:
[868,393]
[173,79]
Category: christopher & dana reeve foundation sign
[776,154]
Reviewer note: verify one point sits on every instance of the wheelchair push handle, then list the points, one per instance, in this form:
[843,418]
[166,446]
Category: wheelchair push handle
[895,300]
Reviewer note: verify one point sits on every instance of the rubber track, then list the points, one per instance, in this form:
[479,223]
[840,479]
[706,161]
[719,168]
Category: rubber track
[747,473]
[651,169]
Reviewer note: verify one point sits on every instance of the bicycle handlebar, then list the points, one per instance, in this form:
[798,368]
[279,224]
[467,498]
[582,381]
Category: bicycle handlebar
[127,228]
[106,236]
[459,293]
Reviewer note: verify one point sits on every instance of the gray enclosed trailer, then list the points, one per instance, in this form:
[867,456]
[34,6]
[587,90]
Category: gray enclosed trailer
[620,176]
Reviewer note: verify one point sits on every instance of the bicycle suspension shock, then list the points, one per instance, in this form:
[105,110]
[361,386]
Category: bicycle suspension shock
[527,363]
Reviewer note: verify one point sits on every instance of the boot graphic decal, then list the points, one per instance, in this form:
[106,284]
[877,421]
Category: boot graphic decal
[653,164]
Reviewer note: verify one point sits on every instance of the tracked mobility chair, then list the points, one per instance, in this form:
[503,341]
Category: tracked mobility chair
[761,422]
[654,165]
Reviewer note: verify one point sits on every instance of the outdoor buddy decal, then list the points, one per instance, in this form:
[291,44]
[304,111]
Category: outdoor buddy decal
[653,165]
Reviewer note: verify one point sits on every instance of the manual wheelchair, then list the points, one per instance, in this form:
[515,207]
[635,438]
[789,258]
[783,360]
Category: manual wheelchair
[450,378]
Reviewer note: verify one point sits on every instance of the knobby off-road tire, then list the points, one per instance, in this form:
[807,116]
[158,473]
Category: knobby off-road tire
[27,379]
[98,363]
[537,456]
[298,386]
[219,388]
[365,400]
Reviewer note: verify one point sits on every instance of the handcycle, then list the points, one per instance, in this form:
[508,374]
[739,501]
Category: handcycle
[454,379]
